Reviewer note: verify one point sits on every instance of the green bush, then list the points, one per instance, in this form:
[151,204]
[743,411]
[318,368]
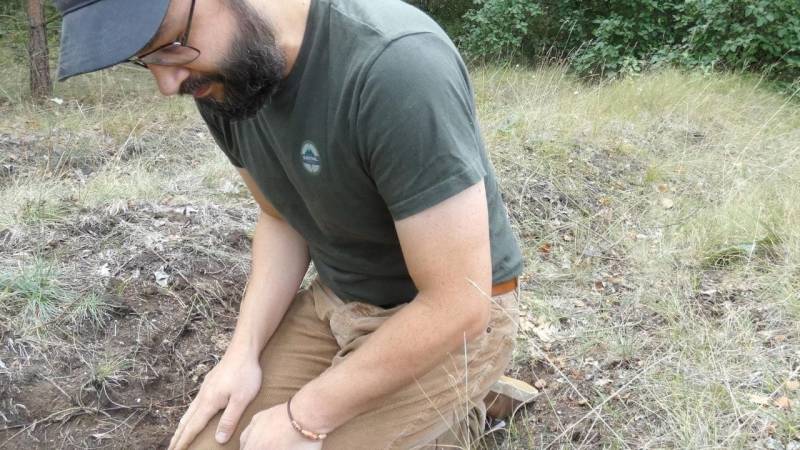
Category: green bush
[499,27]
[757,34]
[623,35]
[608,37]
[449,13]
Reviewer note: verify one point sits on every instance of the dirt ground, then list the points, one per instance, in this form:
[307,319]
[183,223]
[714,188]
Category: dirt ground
[125,385]
[170,276]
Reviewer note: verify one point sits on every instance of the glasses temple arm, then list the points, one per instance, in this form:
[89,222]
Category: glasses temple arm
[189,24]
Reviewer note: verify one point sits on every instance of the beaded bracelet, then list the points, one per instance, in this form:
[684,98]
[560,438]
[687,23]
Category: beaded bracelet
[306,434]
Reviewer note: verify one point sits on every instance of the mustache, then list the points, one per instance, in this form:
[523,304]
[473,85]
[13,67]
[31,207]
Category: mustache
[193,83]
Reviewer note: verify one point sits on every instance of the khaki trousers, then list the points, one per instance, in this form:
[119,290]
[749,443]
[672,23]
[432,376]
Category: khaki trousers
[442,409]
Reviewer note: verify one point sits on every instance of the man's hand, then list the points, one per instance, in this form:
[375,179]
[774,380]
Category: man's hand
[272,429]
[232,385]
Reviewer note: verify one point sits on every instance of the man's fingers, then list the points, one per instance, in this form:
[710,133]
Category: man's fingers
[244,435]
[182,424]
[194,425]
[229,419]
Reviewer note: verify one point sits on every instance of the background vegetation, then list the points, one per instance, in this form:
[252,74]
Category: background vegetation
[608,37]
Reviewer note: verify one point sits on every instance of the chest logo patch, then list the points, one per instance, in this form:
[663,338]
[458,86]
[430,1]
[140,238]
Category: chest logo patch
[310,157]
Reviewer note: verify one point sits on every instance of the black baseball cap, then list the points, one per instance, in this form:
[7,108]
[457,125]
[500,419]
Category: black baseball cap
[96,34]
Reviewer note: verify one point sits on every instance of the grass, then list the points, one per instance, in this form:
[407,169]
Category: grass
[34,300]
[685,186]
[91,309]
[658,216]
[107,373]
[31,294]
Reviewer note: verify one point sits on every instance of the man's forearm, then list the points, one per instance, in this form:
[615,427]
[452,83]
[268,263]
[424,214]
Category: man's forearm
[280,260]
[408,345]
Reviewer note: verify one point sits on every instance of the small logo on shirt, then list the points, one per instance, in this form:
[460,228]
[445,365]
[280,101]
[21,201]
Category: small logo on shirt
[310,157]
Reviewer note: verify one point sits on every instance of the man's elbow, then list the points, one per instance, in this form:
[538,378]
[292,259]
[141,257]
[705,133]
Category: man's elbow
[477,318]
[464,313]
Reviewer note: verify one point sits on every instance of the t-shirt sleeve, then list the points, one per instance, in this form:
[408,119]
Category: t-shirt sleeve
[221,132]
[418,135]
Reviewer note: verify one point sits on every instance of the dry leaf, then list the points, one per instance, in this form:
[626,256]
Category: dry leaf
[617,280]
[540,384]
[783,402]
[162,277]
[663,188]
[525,324]
[762,400]
[104,271]
[545,248]
[229,188]
[545,332]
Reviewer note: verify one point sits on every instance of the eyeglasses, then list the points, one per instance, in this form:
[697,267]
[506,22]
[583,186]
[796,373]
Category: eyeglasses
[173,54]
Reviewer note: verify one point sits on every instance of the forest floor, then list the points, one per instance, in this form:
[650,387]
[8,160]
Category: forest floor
[659,215]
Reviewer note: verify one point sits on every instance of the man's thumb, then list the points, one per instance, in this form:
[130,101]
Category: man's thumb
[227,423]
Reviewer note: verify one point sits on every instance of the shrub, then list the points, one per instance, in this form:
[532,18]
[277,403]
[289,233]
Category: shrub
[758,34]
[499,27]
[614,36]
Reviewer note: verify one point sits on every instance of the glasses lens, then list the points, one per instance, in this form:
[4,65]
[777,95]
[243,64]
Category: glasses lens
[173,55]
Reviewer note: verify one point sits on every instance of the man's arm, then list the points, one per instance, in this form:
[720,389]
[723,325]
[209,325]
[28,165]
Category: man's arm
[447,251]
[280,260]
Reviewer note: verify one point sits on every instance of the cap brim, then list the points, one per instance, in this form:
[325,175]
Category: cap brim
[106,33]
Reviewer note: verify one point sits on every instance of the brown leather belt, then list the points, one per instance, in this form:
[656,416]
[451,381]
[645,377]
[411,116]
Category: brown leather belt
[505,287]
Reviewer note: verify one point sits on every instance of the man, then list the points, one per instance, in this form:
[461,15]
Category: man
[352,122]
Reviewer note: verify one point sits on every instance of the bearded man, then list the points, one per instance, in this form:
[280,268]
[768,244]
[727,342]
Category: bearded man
[353,124]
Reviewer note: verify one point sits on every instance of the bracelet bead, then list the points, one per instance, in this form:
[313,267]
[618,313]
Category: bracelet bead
[303,432]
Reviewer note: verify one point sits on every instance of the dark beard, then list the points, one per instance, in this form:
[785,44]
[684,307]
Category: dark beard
[250,73]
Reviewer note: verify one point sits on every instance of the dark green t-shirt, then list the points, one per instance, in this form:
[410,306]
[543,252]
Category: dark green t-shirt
[375,122]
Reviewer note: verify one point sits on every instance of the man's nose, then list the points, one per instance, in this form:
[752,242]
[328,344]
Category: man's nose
[169,78]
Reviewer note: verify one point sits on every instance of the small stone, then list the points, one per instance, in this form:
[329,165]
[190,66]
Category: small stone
[773,444]
[506,395]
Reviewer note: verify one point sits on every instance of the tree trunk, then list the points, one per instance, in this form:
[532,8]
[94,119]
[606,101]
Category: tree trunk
[41,87]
